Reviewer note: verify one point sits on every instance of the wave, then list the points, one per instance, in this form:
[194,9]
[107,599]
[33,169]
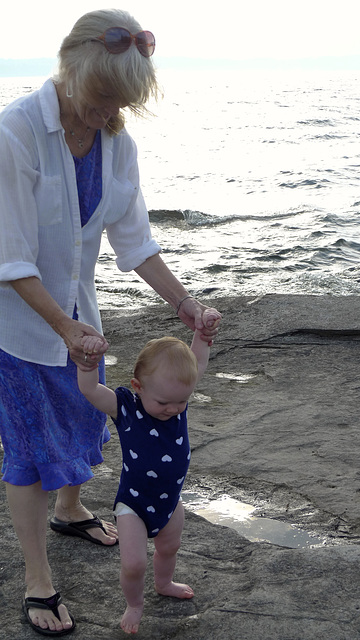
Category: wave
[317,184]
[305,256]
[200,219]
[193,218]
[317,122]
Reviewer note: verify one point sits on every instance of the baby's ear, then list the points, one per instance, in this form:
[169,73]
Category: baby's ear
[136,384]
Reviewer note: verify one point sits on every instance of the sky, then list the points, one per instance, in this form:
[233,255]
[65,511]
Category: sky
[225,29]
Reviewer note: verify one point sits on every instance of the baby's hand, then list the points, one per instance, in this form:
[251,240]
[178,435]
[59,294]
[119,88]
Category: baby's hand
[211,318]
[92,344]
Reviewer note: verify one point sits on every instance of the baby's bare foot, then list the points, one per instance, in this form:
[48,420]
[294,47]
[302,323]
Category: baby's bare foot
[176,590]
[131,619]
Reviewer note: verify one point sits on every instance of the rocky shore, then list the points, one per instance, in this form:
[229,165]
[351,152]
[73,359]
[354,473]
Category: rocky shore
[274,423]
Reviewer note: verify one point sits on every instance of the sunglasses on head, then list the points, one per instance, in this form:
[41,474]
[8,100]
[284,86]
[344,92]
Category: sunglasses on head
[118,40]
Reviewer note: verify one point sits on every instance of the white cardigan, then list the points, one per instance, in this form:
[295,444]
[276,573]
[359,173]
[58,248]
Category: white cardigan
[40,228]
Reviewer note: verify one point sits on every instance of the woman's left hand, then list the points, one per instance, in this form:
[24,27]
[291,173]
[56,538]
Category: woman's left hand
[155,272]
[191,313]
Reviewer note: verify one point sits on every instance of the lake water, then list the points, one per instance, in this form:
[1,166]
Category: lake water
[252,182]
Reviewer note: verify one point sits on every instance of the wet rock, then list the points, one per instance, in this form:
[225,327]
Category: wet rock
[273,422]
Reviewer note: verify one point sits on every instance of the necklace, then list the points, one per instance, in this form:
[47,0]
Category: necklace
[64,120]
[80,141]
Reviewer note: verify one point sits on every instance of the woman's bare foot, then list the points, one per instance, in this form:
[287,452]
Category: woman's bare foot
[131,619]
[176,590]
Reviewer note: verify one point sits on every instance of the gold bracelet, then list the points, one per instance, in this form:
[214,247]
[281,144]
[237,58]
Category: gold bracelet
[180,303]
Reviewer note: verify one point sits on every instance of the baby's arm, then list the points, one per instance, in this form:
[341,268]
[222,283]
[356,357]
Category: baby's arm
[211,319]
[103,398]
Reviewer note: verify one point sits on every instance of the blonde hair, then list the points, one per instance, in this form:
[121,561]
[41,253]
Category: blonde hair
[168,353]
[85,65]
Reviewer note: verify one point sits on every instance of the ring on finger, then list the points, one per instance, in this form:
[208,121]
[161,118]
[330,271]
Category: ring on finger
[85,357]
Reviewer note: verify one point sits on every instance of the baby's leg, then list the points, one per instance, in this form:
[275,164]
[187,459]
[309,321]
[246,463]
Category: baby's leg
[133,552]
[167,543]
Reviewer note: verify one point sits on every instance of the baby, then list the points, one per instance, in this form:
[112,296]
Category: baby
[152,426]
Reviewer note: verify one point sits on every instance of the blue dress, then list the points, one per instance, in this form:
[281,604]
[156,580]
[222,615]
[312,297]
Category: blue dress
[49,431]
[156,457]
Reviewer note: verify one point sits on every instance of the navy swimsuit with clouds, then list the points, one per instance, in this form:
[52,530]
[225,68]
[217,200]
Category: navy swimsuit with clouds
[156,457]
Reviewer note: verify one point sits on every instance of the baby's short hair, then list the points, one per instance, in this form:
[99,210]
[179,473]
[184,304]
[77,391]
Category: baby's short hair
[167,352]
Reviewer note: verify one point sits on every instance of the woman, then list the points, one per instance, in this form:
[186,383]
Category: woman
[68,170]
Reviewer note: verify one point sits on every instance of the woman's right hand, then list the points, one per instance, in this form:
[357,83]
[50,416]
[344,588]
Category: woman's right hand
[73,336]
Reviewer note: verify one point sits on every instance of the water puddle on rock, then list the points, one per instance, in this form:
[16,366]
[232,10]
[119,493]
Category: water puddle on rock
[237,515]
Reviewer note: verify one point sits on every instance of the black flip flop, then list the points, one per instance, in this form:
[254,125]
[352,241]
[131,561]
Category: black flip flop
[79,529]
[51,604]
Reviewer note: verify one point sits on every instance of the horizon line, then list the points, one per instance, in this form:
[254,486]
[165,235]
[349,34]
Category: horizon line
[22,67]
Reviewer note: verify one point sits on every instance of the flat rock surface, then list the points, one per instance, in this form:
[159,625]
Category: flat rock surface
[273,423]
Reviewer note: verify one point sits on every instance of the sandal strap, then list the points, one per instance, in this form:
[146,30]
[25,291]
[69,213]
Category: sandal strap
[51,603]
[87,524]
